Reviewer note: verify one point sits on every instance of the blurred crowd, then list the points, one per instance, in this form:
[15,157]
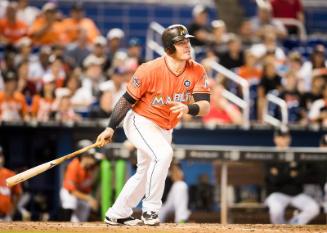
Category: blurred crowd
[60,67]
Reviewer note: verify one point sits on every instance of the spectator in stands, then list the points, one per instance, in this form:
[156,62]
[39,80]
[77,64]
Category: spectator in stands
[38,68]
[46,29]
[92,75]
[76,52]
[64,109]
[3,7]
[26,13]
[79,180]
[220,36]
[11,28]
[99,50]
[176,200]
[115,38]
[199,26]
[24,46]
[285,187]
[317,65]
[292,97]
[77,23]
[293,64]
[43,108]
[309,97]
[288,9]
[318,110]
[247,35]
[252,73]
[111,91]
[270,80]
[56,68]
[221,111]
[234,56]
[264,18]
[134,50]
[13,106]
[24,86]
[269,46]
[81,98]
[8,196]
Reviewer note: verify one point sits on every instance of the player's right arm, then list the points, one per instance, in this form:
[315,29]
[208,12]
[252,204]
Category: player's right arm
[136,88]
[124,104]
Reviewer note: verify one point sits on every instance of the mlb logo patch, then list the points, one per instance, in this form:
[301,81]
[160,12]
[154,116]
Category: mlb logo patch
[187,83]
[136,82]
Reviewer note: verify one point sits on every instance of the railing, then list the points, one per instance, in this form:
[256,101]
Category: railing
[243,103]
[153,36]
[284,111]
[297,23]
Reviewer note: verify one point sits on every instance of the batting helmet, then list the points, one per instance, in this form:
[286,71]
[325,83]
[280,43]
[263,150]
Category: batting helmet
[172,35]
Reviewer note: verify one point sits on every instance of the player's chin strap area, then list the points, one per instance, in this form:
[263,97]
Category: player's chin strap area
[120,110]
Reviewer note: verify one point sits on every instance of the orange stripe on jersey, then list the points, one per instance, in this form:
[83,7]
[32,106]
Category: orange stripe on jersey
[155,86]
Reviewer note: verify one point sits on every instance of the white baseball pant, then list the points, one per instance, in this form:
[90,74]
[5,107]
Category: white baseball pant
[154,154]
[81,209]
[177,201]
[277,203]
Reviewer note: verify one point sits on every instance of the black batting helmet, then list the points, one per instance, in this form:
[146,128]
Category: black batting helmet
[172,35]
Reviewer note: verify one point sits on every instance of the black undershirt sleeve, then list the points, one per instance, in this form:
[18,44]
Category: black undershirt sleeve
[201,96]
[123,105]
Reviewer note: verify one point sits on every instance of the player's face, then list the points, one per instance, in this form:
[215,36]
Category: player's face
[183,50]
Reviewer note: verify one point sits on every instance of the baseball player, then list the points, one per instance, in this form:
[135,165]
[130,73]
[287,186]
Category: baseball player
[8,196]
[157,96]
[177,197]
[75,195]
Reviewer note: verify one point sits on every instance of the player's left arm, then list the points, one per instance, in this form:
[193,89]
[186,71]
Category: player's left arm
[200,107]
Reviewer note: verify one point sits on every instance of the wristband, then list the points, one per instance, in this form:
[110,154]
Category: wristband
[193,109]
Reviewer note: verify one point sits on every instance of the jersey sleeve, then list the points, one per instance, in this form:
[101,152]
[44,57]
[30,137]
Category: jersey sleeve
[139,83]
[202,84]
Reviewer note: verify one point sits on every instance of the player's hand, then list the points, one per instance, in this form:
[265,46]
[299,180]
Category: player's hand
[93,203]
[105,137]
[179,108]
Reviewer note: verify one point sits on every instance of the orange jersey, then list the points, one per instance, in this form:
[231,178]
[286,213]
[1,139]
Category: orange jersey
[73,27]
[6,193]
[41,108]
[54,35]
[77,178]
[154,86]
[13,32]
[12,107]
[249,73]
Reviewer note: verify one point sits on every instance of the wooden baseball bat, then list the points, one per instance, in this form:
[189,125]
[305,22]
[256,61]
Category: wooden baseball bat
[20,177]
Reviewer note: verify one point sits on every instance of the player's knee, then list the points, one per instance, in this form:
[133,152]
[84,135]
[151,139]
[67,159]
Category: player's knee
[165,155]
[180,186]
[313,209]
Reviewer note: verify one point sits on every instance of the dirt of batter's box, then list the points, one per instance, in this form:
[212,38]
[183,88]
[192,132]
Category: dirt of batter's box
[55,227]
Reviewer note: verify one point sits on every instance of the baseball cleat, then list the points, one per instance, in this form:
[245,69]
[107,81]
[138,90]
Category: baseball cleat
[129,221]
[150,218]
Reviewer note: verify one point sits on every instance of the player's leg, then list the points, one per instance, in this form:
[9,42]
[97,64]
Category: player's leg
[133,191]
[157,144]
[277,203]
[82,212]
[167,207]
[68,204]
[180,194]
[308,206]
